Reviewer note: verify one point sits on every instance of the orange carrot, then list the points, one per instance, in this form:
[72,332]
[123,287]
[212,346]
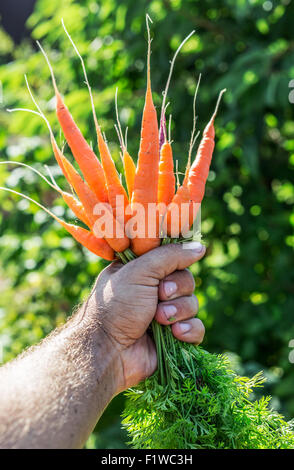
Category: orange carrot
[68,171]
[192,190]
[166,180]
[57,152]
[84,193]
[181,197]
[146,178]
[76,207]
[129,171]
[98,246]
[200,168]
[166,177]
[84,155]
[113,183]
[73,203]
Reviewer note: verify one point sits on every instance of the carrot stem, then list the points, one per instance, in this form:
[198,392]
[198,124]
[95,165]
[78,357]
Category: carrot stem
[113,183]
[120,134]
[146,178]
[69,199]
[11,162]
[98,246]
[170,75]
[82,152]
[200,168]
[193,139]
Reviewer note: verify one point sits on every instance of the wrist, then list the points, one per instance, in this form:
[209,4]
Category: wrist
[107,352]
[101,347]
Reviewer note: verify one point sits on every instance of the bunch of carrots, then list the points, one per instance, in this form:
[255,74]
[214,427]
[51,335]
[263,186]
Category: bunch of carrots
[152,180]
[193,400]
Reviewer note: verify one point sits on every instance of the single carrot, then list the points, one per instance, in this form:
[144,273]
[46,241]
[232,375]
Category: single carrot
[84,155]
[40,113]
[146,178]
[192,190]
[174,223]
[98,246]
[68,171]
[182,196]
[166,177]
[113,183]
[76,207]
[129,172]
[200,168]
[82,152]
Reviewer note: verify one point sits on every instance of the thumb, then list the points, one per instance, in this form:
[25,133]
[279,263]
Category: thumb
[164,260]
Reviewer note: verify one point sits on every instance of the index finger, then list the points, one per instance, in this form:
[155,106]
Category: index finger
[164,260]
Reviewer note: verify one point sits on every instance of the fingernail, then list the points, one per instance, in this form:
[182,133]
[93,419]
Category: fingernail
[195,246]
[169,311]
[184,327]
[169,288]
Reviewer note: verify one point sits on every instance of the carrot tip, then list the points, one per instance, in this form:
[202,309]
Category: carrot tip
[49,66]
[148,18]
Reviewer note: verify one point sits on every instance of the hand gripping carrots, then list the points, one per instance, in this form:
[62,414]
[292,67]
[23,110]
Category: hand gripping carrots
[151,182]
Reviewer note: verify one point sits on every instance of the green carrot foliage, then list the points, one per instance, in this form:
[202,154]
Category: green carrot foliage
[204,405]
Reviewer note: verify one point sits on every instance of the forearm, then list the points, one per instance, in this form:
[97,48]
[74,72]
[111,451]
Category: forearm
[53,395]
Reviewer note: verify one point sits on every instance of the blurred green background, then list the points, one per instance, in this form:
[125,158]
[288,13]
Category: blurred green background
[246,282]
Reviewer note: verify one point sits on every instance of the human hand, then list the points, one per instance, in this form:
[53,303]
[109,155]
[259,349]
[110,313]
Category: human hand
[128,297]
